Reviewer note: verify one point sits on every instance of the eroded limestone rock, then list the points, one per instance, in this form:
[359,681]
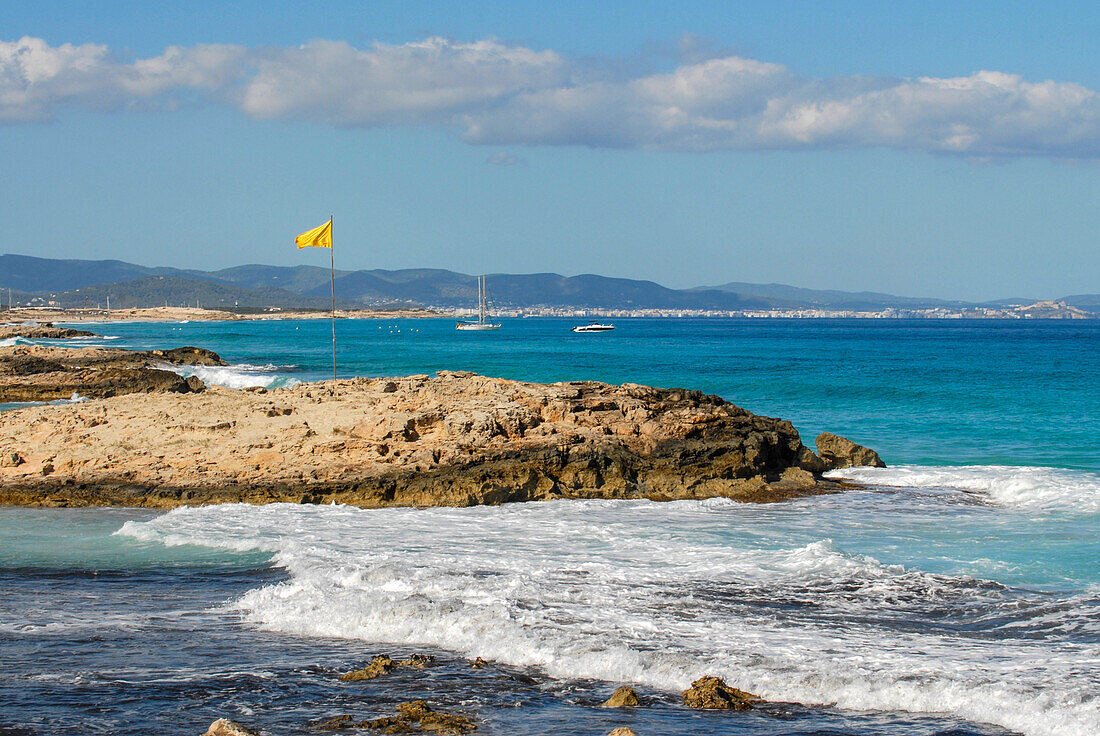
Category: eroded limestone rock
[841,452]
[713,692]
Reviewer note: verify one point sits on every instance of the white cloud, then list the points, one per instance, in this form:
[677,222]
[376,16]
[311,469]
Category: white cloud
[505,94]
[36,79]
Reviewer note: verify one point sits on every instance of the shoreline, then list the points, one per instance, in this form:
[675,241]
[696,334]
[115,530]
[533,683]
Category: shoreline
[456,439]
[177,314]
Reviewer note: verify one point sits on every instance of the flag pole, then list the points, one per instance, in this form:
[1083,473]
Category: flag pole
[332,282]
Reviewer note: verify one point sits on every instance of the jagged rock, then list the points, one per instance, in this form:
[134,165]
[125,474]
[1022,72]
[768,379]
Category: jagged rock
[478,663]
[38,373]
[841,452]
[413,717]
[226,727]
[41,332]
[622,731]
[417,661]
[713,692]
[453,440]
[333,724]
[379,665]
[624,697]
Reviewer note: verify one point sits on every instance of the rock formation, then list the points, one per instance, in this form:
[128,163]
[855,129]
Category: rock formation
[41,332]
[226,727]
[381,664]
[840,452]
[458,439]
[713,692]
[624,697]
[413,717]
[38,373]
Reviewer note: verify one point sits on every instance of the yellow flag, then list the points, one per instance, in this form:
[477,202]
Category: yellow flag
[318,237]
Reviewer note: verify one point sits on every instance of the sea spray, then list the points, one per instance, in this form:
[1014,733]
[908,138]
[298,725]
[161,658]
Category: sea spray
[661,593]
[1023,487]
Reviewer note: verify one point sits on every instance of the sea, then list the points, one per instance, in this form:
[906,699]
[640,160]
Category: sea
[954,593]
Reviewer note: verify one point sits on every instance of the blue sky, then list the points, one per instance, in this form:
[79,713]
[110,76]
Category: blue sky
[829,145]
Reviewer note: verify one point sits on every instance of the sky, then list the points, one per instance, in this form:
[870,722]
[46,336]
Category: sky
[929,148]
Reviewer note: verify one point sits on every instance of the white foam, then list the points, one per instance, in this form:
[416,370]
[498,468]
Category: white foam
[1006,485]
[242,375]
[651,593]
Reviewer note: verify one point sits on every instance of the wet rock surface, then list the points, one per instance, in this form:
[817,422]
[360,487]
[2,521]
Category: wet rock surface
[226,727]
[457,439]
[713,693]
[840,452]
[624,697]
[415,716]
[39,373]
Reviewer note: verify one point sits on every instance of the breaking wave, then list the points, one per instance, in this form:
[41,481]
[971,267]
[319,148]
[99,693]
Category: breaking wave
[1006,485]
[660,594]
[241,375]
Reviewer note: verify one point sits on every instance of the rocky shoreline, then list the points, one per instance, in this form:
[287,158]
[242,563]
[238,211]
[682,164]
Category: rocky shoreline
[456,439]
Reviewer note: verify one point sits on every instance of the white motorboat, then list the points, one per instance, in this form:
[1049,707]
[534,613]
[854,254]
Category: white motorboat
[483,324]
[593,327]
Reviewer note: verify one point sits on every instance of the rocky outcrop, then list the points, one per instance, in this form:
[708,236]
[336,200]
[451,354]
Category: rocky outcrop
[713,692]
[44,331]
[381,664]
[624,697]
[454,440]
[841,452]
[38,373]
[622,731]
[226,727]
[413,717]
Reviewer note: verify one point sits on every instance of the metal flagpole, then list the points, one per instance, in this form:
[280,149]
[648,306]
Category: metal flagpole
[332,274]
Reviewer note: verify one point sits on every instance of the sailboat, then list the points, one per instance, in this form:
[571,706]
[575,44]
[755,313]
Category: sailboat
[482,323]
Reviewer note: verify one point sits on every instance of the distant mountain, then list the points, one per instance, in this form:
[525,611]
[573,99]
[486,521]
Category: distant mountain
[38,275]
[154,291]
[71,282]
[831,299]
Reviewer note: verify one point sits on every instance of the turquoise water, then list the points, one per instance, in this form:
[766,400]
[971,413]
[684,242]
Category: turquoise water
[959,593]
[920,391]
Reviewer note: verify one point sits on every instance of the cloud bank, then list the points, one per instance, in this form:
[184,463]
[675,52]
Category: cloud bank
[496,93]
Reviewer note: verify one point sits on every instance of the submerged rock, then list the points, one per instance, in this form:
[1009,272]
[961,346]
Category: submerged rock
[622,731]
[380,664]
[226,727]
[415,716]
[841,452]
[624,697]
[713,692]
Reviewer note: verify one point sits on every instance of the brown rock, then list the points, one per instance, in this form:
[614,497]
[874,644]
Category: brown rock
[226,727]
[478,663]
[40,332]
[841,452]
[417,716]
[417,661]
[454,440]
[624,697]
[713,692]
[38,373]
[622,731]
[379,665]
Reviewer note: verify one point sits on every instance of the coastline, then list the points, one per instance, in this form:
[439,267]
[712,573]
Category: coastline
[456,439]
[177,314]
